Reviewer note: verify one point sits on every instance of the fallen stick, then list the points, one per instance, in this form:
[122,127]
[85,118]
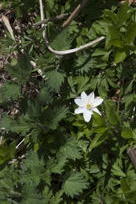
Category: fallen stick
[8,26]
[75,13]
[132,155]
[54,19]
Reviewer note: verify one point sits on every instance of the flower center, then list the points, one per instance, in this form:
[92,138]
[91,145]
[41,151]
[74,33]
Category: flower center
[88,106]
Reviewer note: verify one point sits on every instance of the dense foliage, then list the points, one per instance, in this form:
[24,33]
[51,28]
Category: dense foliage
[61,158]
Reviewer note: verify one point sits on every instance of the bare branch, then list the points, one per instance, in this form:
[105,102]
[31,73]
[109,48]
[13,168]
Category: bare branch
[8,26]
[64,52]
[54,19]
[42,15]
[75,13]
[20,143]
[41,10]
[132,155]
[82,47]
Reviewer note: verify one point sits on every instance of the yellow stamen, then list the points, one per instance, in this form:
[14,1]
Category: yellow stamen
[88,106]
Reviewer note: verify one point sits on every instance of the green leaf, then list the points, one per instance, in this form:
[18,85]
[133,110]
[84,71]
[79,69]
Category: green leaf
[31,173]
[84,63]
[9,91]
[50,197]
[109,15]
[8,179]
[57,166]
[127,133]
[120,56]
[112,116]
[114,37]
[45,96]
[129,99]
[94,169]
[7,152]
[20,69]
[98,138]
[55,80]
[63,40]
[101,52]
[55,115]
[50,4]
[7,123]
[117,169]
[125,186]
[70,150]
[123,14]
[131,33]
[78,84]
[21,125]
[75,184]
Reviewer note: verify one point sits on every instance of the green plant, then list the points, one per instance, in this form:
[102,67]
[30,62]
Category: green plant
[47,153]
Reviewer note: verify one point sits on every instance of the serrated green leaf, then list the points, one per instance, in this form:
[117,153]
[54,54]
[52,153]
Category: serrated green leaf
[84,63]
[71,150]
[55,115]
[9,91]
[75,184]
[20,69]
[58,165]
[55,80]
[45,96]
[63,40]
[21,125]
[52,198]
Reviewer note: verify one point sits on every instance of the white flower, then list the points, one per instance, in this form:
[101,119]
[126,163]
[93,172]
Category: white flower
[87,105]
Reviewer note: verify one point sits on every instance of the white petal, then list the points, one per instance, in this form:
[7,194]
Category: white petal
[79,102]
[87,116]
[96,110]
[97,101]
[83,95]
[84,98]
[79,110]
[91,97]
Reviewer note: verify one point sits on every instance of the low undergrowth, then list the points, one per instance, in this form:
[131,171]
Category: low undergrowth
[49,154]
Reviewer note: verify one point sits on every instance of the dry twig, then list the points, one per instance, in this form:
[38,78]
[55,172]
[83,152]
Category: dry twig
[132,155]
[18,145]
[54,19]
[8,26]
[75,13]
